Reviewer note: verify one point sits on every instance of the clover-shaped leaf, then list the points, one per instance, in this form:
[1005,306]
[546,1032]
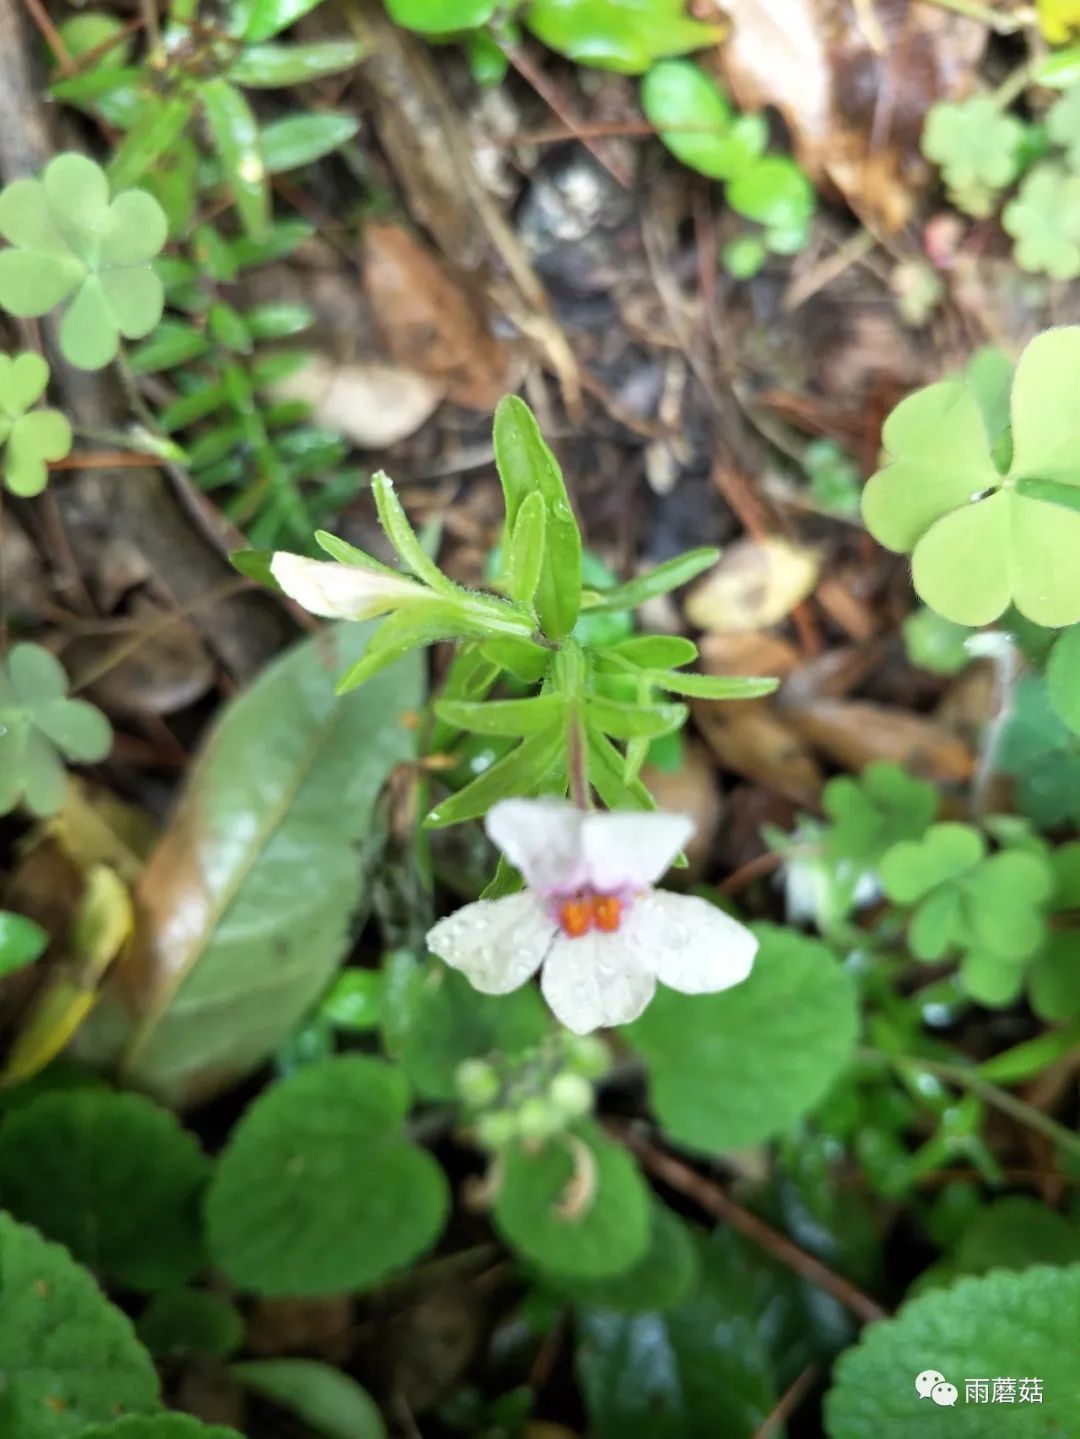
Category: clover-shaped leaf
[976,147]
[1044,220]
[1063,125]
[982,540]
[36,720]
[881,808]
[67,240]
[989,907]
[32,437]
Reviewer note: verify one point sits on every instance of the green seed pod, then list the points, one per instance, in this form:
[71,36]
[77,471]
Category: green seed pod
[477,1082]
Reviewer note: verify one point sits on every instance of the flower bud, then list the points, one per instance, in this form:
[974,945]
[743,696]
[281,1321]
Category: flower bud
[571,1095]
[477,1083]
[588,1056]
[539,1119]
[495,1130]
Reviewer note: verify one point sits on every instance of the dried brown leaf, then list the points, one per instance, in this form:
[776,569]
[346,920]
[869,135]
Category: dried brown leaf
[760,745]
[853,79]
[374,405]
[757,583]
[855,734]
[430,323]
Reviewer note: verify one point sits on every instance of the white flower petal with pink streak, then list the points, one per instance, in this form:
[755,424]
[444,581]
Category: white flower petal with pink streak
[342,592]
[600,866]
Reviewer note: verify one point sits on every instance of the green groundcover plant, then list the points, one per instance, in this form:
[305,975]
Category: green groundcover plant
[819,1068]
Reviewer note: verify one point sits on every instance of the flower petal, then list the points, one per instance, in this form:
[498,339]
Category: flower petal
[541,838]
[594,982]
[688,943]
[344,592]
[496,943]
[631,849]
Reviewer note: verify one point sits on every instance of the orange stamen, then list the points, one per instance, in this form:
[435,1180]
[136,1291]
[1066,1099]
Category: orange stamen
[575,917]
[607,912]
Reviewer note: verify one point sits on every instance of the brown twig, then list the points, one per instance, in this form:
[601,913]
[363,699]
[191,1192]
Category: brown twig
[712,1199]
[523,64]
[41,19]
[788,1402]
[756,868]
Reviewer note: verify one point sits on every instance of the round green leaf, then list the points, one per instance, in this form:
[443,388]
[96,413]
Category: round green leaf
[913,868]
[441,17]
[22,382]
[37,674]
[158,1426]
[35,438]
[695,120]
[318,1191]
[77,728]
[88,332]
[625,37]
[331,1403]
[21,941]
[1005,1325]
[1015,1233]
[773,191]
[733,1069]
[576,1206]
[181,1322]
[43,775]
[68,1357]
[661,1279]
[450,1022]
[114,1178]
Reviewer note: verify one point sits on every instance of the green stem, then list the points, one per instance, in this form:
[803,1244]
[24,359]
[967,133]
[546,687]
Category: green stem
[990,1094]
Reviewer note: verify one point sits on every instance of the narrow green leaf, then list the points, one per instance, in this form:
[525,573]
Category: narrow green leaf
[713,687]
[653,652]
[258,20]
[659,581]
[523,658]
[160,124]
[279,242]
[607,775]
[517,773]
[236,139]
[347,554]
[172,343]
[277,320]
[301,139]
[624,721]
[525,551]
[1026,1060]
[402,536]
[526,465]
[504,717]
[270,67]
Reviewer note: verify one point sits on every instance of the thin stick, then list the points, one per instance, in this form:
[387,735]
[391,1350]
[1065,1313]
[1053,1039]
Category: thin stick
[788,1402]
[547,92]
[41,19]
[712,1199]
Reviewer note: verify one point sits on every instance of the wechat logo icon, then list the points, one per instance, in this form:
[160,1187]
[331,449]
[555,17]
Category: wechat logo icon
[931,1384]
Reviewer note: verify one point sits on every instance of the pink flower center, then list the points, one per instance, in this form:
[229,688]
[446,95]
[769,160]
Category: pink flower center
[579,913]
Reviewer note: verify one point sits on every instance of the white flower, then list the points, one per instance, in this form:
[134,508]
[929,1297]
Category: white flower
[591,918]
[343,592]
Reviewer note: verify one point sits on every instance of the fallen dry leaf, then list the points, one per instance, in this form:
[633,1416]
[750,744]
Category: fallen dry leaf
[430,323]
[855,734]
[853,79]
[154,662]
[374,405]
[756,583]
[758,744]
[748,652]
